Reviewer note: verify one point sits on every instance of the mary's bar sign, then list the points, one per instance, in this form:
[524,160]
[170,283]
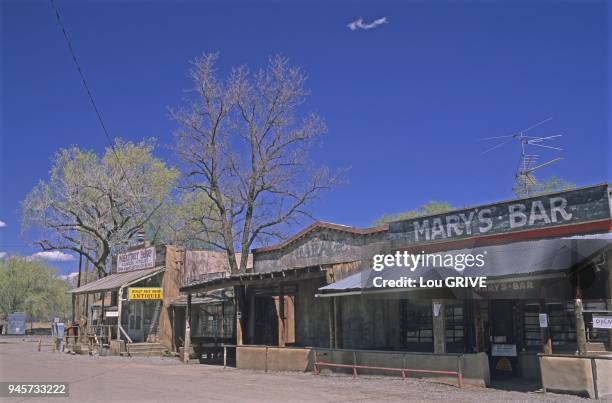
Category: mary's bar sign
[555,209]
[136,260]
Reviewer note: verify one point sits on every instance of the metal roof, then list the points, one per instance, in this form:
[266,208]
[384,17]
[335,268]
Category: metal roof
[501,261]
[252,278]
[211,297]
[116,280]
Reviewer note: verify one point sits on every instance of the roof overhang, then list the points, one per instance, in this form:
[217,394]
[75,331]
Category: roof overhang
[520,261]
[256,279]
[115,281]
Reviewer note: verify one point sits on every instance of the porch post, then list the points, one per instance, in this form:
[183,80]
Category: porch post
[250,336]
[239,298]
[608,278]
[119,305]
[187,344]
[330,322]
[544,331]
[281,317]
[439,326]
[580,331]
[337,322]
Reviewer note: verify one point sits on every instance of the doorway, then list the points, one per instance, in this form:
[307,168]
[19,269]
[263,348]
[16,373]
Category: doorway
[135,312]
[503,351]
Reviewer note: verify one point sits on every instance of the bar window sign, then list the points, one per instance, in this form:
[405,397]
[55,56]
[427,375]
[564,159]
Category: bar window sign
[145,293]
[602,322]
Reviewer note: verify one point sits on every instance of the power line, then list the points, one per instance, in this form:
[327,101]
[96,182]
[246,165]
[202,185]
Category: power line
[91,99]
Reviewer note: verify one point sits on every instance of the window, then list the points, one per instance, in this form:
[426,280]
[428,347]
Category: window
[455,323]
[416,326]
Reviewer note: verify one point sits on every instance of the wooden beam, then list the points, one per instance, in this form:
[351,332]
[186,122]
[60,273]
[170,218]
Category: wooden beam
[337,322]
[330,323]
[282,334]
[187,343]
[240,305]
[439,326]
[545,339]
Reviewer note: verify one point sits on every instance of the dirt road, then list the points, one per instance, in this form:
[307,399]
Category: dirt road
[119,379]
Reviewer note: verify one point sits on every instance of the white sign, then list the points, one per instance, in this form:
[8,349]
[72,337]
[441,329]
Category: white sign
[112,314]
[436,309]
[602,322]
[136,260]
[543,320]
[503,350]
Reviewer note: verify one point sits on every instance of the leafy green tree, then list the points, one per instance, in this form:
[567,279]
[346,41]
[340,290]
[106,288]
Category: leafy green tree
[431,207]
[99,203]
[188,221]
[33,287]
[548,185]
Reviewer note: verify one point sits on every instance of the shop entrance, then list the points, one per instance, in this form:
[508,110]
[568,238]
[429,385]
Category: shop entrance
[503,349]
[135,312]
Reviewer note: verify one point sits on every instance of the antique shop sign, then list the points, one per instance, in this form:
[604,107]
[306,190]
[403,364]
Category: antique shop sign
[145,293]
[136,260]
[570,207]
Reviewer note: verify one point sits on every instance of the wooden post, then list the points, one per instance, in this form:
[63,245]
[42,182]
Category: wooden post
[607,275]
[337,322]
[119,305]
[330,323]
[439,326]
[239,298]
[281,317]
[545,331]
[187,344]
[250,336]
[579,316]
[580,330]
[101,320]
[478,327]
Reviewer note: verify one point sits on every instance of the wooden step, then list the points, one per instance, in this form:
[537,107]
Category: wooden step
[145,349]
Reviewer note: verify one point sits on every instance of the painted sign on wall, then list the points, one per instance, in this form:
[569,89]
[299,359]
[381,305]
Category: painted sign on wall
[570,207]
[136,260]
[145,293]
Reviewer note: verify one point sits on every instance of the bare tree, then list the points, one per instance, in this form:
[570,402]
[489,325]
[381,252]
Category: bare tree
[245,146]
[95,205]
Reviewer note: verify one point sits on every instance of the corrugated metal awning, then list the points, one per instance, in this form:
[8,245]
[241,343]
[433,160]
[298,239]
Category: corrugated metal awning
[557,255]
[211,297]
[114,281]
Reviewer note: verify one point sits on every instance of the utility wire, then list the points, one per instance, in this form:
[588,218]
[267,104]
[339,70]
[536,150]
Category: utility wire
[91,99]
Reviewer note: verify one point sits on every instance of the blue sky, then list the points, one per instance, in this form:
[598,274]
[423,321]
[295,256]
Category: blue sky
[405,103]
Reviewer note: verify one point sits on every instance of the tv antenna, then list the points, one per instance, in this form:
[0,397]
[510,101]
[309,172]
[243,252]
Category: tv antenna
[529,162]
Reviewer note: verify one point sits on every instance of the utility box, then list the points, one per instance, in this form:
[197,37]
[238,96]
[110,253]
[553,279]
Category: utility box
[16,323]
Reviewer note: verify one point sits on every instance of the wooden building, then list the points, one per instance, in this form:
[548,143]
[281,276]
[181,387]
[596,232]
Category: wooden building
[547,255]
[138,309]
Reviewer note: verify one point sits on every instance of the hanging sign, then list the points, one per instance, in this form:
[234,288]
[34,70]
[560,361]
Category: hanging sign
[145,293]
[602,322]
[543,320]
[111,314]
[136,260]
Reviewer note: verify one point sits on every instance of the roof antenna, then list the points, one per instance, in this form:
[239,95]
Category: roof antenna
[527,166]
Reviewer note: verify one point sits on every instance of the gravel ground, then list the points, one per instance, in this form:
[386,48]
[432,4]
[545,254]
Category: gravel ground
[159,379]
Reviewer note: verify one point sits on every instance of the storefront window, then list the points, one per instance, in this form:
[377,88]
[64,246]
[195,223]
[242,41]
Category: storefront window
[561,325]
[416,326]
[455,326]
[213,320]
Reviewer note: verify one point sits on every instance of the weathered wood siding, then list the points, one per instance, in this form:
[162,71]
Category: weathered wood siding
[320,247]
